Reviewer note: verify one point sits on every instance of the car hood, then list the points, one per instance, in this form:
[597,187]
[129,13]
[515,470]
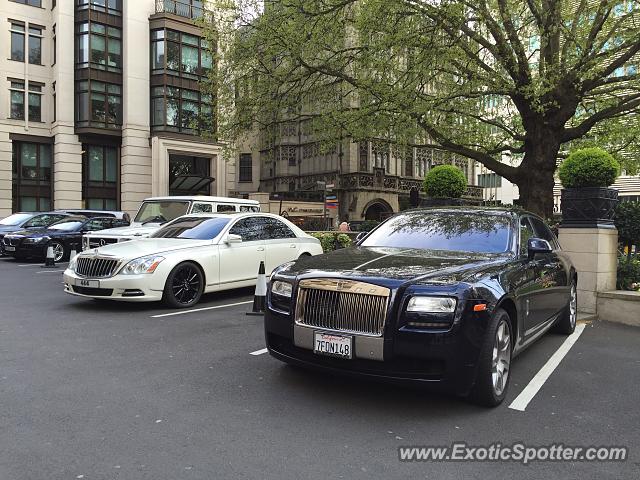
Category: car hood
[39,232]
[397,263]
[147,246]
[130,231]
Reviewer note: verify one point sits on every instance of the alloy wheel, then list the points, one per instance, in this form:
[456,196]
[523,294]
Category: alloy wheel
[573,306]
[58,251]
[186,285]
[501,358]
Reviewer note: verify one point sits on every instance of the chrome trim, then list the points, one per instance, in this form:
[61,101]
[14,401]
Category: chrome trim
[96,266]
[345,306]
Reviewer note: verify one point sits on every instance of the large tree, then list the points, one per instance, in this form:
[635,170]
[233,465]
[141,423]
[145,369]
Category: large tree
[508,83]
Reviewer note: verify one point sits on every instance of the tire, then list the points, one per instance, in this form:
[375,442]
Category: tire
[184,286]
[304,255]
[566,324]
[59,251]
[494,363]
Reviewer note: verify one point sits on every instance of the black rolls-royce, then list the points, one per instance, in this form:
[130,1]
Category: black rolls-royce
[441,297]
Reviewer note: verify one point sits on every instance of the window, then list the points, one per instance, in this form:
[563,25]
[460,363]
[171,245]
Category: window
[422,161]
[112,7]
[180,110]
[55,102]
[202,208]
[98,46]
[17,94]
[100,177]
[189,175]
[179,54]
[542,231]
[489,180]
[31,166]
[250,229]
[526,232]
[246,168]
[17,42]
[364,156]
[408,163]
[35,45]
[196,228]
[98,104]
[33,3]
[288,153]
[275,229]
[54,52]
[221,208]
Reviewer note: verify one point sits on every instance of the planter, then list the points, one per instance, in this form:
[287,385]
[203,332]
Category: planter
[588,207]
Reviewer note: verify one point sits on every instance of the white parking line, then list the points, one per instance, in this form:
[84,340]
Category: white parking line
[259,352]
[49,271]
[536,383]
[183,312]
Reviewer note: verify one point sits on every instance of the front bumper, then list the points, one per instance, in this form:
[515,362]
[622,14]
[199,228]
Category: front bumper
[439,360]
[29,250]
[127,288]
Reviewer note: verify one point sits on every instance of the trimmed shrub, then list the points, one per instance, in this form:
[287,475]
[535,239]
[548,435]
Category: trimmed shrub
[589,167]
[331,241]
[445,181]
[628,274]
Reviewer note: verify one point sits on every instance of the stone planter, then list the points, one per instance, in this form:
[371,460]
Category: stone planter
[588,207]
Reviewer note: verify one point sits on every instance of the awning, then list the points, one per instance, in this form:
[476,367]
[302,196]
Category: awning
[191,183]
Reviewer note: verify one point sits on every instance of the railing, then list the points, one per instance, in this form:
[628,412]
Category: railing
[182,8]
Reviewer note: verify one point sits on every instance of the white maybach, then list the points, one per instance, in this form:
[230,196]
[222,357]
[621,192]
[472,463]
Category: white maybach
[187,257]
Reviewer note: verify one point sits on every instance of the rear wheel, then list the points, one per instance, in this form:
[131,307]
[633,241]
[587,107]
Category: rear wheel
[566,324]
[494,363]
[184,286]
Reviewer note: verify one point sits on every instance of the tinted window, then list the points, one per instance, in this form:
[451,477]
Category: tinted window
[249,208]
[15,219]
[226,208]
[97,224]
[67,226]
[160,212]
[201,208]
[274,228]
[444,231]
[193,228]
[526,232]
[249,229]
[43,220]
[544,232]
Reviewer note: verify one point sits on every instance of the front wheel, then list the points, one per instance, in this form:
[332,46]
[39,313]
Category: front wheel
[567,322]
[58,251]
[184,286]
[494,363]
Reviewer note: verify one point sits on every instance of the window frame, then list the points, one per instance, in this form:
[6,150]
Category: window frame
[85,117]
[245,168]
[39,187]
[105,191]
[85,33]
[18,29]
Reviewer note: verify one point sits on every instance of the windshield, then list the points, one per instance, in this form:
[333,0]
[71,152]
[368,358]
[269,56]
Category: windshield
[66,226]
[193,228]
[15,219]
[161,212]
[42,220]
[462,232]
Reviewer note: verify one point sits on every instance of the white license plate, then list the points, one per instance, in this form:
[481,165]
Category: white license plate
[9,249]
[333,345]
[80,282]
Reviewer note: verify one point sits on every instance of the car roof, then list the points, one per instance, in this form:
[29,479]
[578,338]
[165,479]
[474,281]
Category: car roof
[506,211]
[203,198]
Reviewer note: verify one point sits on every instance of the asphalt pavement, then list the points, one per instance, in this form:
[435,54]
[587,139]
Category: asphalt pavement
[98,390]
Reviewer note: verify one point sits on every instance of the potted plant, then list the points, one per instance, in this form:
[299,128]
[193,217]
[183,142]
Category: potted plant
[444,185]
[586,199]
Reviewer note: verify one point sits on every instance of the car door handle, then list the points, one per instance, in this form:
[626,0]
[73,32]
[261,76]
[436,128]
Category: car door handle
[261,249]
[293,245]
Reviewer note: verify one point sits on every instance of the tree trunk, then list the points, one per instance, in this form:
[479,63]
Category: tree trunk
[535,176]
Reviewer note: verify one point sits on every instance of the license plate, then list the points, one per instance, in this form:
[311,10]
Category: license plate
[9,249]
[88,283]
[333,345]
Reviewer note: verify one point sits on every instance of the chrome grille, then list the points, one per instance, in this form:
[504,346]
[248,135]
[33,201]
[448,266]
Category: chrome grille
[343,305]
[101,242]
[96,267]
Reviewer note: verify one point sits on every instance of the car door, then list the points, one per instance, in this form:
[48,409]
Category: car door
[239,262]
[280,241]
[528,287]
[552,272]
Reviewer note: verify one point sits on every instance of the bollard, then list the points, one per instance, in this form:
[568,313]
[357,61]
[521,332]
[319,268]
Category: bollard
[49,261]
[260,294]
[73,252]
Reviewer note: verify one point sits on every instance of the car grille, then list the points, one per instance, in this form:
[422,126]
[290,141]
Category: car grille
[343,305]
[101,242]
[96,267]
[12,242]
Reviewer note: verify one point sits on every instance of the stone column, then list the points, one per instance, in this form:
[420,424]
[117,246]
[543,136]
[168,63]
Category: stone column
[593,252]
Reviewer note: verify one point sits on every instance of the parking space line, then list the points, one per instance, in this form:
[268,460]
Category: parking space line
[49,271]
[259,352]
[184,312]
[521,401]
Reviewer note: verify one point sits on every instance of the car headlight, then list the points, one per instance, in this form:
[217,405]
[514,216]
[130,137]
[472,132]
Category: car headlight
[72,264]
[142,265]
[281,288]
[37,240]
[85,243]
[420,304]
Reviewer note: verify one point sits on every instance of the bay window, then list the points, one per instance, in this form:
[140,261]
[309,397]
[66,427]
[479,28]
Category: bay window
[179,54]
[180,110]
[98,46]
[98,104]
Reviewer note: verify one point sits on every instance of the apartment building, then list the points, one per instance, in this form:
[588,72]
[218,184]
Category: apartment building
[100,104]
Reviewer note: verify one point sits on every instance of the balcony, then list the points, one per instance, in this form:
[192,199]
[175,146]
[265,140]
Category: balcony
[192,10]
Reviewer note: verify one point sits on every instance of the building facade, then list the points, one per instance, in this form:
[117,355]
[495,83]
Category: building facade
[100,105]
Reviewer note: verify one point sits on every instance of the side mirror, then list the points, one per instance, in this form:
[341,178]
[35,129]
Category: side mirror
[232,238]
[537,245]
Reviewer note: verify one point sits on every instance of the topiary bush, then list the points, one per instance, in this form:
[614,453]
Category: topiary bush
[445,181]
[331,241]
[589,167]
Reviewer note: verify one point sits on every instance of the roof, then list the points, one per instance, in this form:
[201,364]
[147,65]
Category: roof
[203,198]
[473,210]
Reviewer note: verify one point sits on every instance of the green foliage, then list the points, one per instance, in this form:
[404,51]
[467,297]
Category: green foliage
[329,241]
[627,222]
[628,274]
[589,167]
[445,181]
[368,225]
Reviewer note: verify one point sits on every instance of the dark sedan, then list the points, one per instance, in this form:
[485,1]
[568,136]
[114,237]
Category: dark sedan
[62,236]
[439,297]
[27,221]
